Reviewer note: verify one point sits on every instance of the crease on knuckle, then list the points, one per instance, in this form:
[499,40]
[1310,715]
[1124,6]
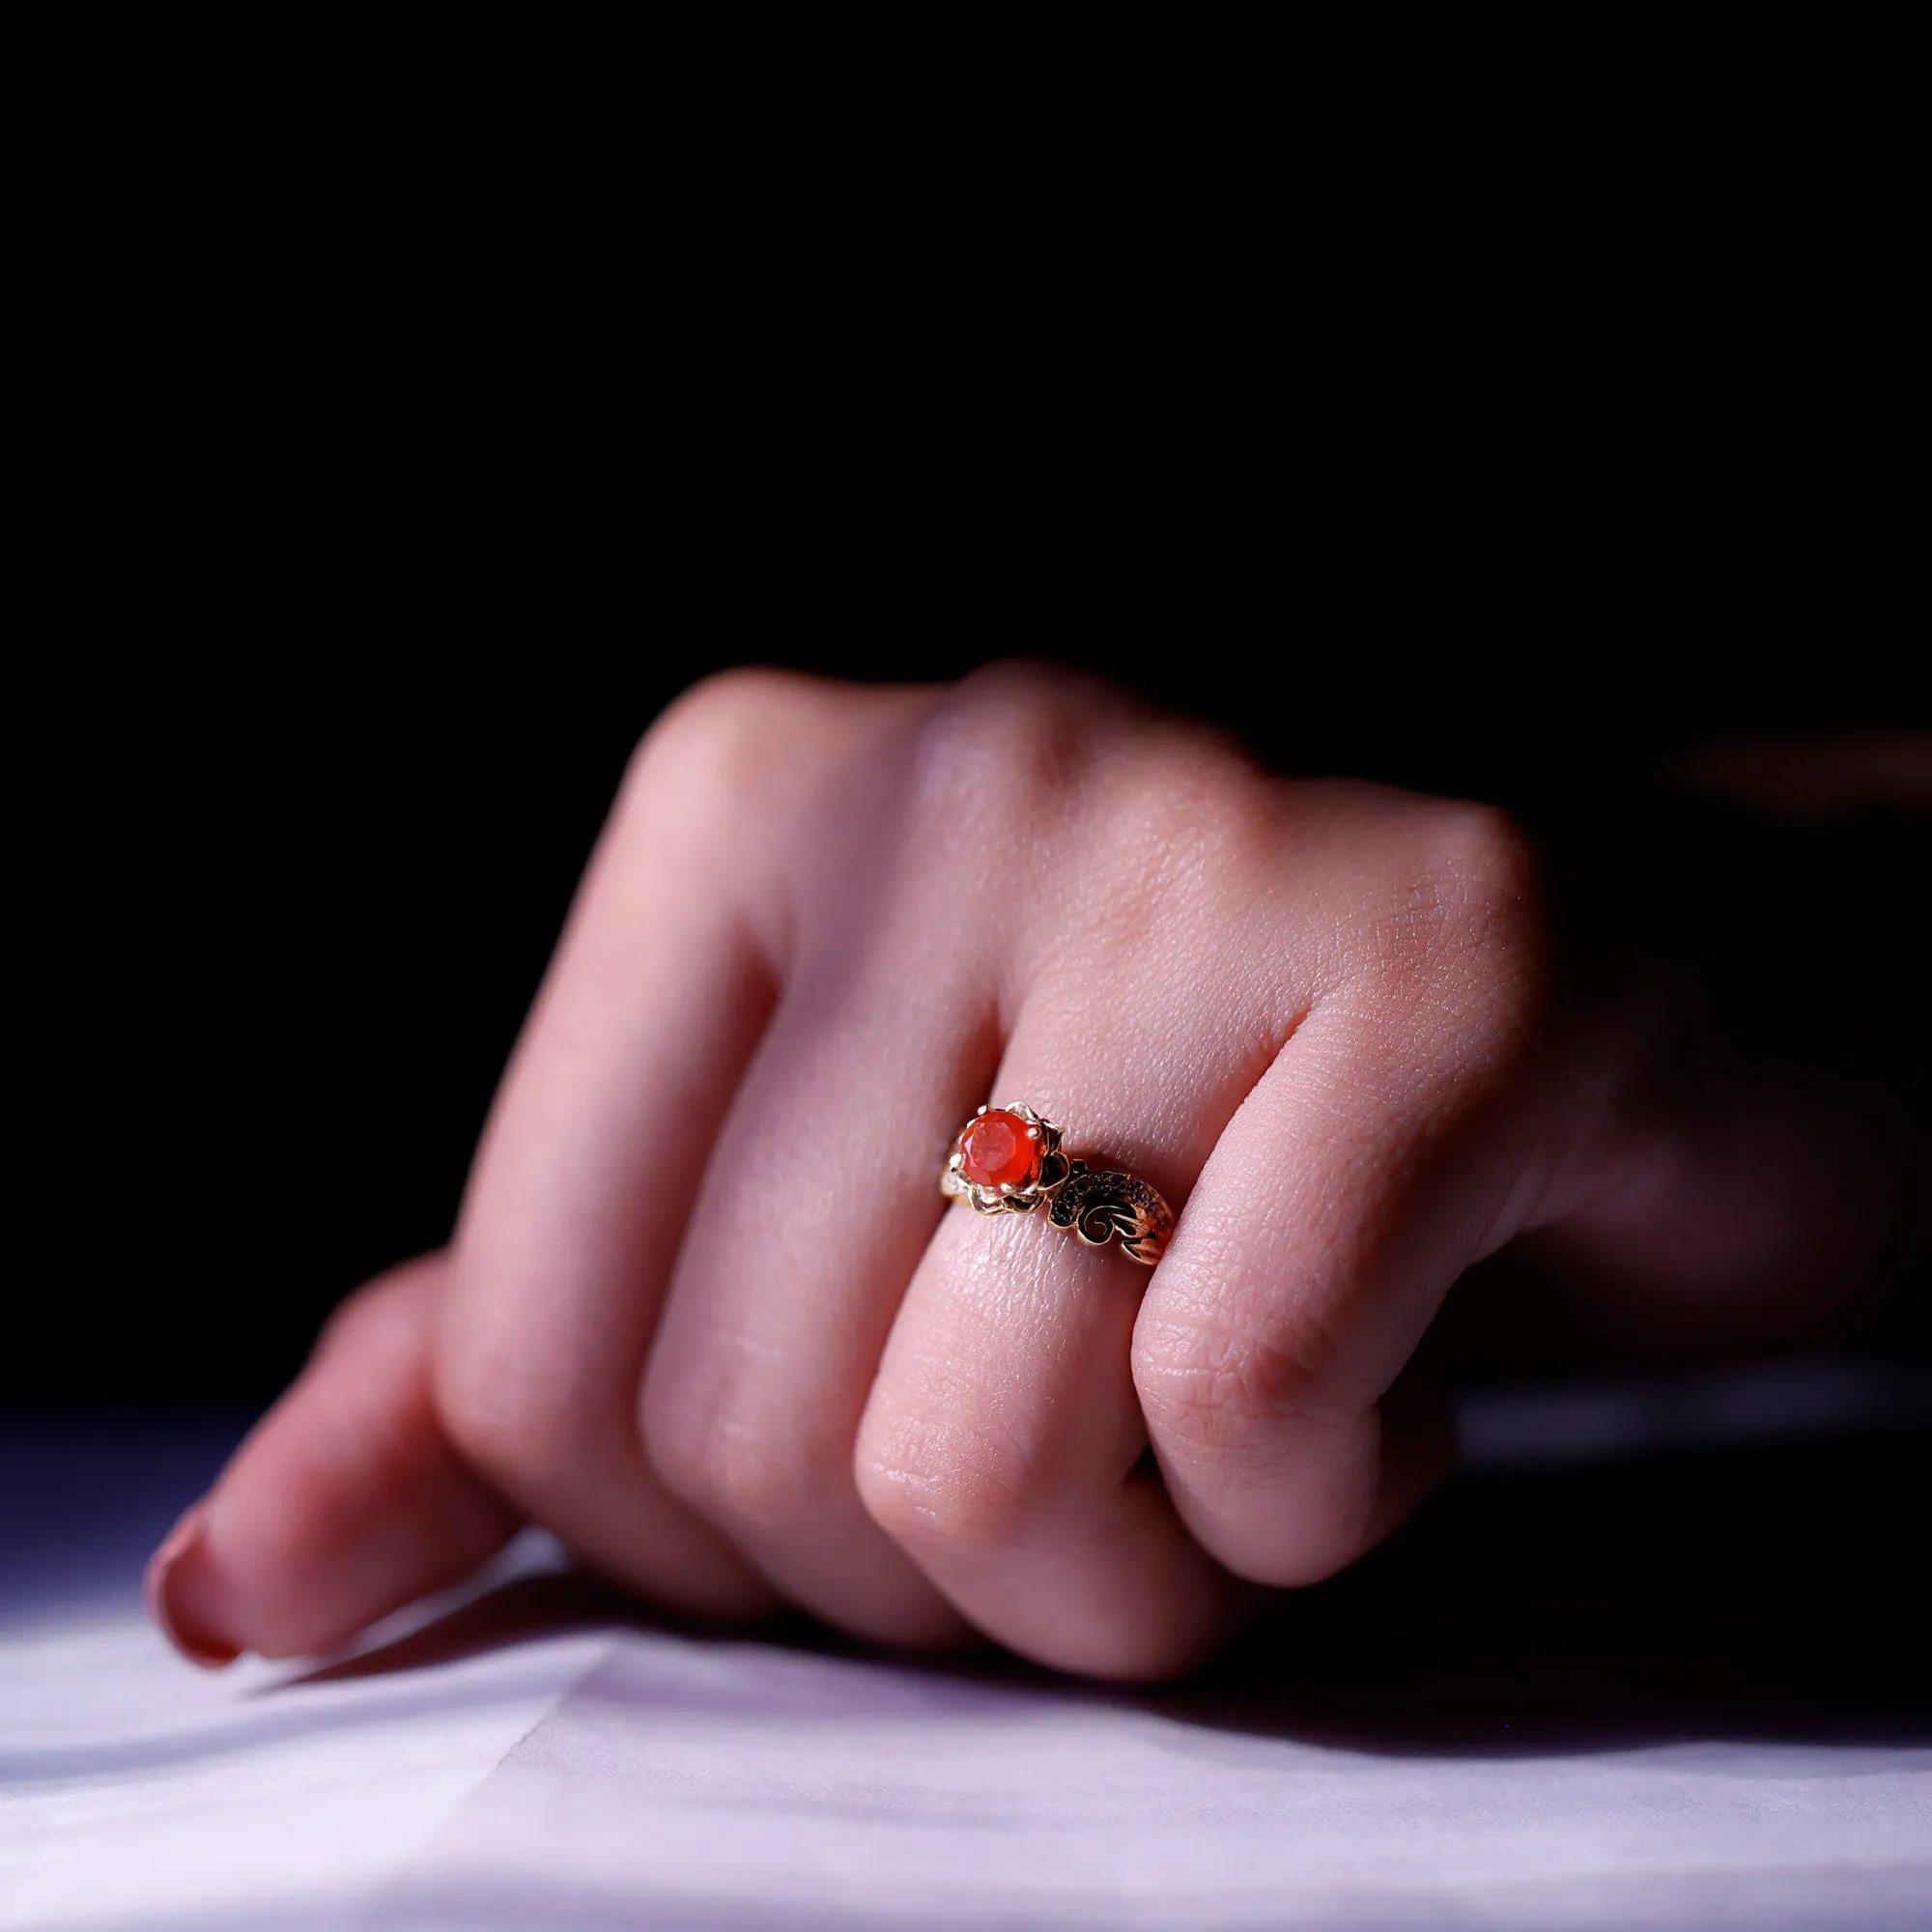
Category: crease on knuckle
[1218,1395]
[944,1491]
[726,1458]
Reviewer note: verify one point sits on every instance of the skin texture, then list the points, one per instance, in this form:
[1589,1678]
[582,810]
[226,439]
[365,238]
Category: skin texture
[706,1317]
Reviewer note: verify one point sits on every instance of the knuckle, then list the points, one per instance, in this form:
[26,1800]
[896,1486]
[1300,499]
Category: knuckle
[1487,850]
[1457,943]
[727,1460]
[1476,874]
[940,1493]
[522,1430]
[1010,737]
[1137,815]
[390,1314]
[1182,824]
[1218,1395]
[713,748]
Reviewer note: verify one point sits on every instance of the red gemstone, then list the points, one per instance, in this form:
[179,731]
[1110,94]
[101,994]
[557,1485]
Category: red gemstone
[1000,1149]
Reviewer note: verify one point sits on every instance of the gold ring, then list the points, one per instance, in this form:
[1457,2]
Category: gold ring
[1007,1160]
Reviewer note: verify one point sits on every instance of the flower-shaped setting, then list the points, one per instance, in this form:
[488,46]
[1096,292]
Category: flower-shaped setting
[1007,1160]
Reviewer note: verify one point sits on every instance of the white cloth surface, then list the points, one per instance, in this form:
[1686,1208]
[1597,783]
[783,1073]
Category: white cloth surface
[621,1778]
[614,1775]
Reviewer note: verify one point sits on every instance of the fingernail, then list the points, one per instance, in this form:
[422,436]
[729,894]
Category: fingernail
[186,1592]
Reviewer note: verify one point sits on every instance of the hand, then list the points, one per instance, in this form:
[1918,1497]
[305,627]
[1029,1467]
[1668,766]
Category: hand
[706,1317]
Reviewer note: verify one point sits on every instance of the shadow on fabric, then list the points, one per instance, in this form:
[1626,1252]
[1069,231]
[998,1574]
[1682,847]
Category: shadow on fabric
[1772,1594]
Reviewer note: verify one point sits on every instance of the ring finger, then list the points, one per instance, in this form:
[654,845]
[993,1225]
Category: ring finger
[1004,1446]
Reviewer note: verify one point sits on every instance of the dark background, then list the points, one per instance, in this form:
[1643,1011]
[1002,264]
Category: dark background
[381,498]
[305,890]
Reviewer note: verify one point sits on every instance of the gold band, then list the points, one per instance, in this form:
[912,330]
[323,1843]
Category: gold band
[1007,1160]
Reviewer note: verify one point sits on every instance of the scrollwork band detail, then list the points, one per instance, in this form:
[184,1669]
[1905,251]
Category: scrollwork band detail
[1097,1202]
